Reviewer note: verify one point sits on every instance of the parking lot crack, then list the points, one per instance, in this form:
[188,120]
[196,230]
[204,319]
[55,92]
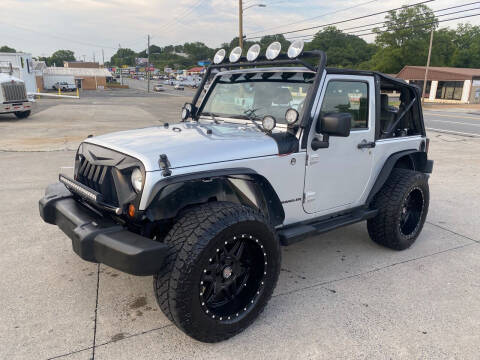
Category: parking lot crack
[96,311]
[324,283]
[452,232]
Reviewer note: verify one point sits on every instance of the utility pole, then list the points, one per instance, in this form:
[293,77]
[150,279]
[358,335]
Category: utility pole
[428,65]
[240,23]
[94,56]
[103,58]
[121,68]
[148,63]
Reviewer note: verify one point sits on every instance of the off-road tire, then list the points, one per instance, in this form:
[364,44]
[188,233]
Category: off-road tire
[22,114]
[386,229]
[197,233]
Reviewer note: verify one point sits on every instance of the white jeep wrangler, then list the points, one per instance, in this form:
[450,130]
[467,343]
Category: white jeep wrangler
[277,150]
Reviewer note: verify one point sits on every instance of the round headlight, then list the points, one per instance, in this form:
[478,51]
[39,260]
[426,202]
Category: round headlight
[219,56]
[291,116]
[253,52]
[295,49]
[235,54]
[137,180]
[273,50]
[269,123]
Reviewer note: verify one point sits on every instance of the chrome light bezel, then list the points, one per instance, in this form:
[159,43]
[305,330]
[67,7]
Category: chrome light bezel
[137,180]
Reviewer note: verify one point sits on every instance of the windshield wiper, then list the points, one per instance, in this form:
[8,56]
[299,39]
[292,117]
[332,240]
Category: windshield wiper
[252,116]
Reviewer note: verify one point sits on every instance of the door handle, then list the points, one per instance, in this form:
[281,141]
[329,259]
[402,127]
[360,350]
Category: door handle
[366,144]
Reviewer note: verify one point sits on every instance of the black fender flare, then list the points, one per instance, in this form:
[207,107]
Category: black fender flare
[275,209]
[417,161]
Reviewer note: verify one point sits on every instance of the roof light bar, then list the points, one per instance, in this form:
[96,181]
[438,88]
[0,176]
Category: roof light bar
[295,49]
[273,50]
[219,56]
[235,54]
[253,52]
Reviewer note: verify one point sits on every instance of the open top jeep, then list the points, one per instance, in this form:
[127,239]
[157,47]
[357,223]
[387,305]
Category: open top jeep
[277,150]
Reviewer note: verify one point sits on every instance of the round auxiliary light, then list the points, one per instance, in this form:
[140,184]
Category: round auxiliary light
[291,116]
[273,50]
[235,54]
[269,123]
[295,49]
[253,52]
[219,56]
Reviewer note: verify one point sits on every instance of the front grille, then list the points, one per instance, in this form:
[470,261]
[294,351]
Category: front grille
[14,92]
[98,178]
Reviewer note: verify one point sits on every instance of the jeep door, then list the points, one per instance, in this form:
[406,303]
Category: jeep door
[336,177]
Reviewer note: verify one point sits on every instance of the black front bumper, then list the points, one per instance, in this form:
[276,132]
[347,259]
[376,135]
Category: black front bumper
[100,239]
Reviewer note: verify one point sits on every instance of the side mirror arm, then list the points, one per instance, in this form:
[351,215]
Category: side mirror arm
[320,144]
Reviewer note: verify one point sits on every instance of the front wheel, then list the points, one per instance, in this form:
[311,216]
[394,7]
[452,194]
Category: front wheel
[402,205]
[223,265]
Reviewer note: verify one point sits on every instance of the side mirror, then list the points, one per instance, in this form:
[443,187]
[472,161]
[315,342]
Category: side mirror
[335,124]
[187,111]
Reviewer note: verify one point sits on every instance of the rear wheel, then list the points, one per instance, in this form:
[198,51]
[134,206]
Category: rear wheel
[223,265]
[22,114]
[402,206]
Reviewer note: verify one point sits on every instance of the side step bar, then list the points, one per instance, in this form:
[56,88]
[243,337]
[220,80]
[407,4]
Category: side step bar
[296,233]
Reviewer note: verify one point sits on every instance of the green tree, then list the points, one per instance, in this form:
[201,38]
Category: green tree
[343,50]
[197,51]
[59,56]
[7,49]
[467,52]
[124,56]
[404,39]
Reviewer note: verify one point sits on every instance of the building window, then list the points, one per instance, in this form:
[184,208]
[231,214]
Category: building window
[450,90]
[419,83]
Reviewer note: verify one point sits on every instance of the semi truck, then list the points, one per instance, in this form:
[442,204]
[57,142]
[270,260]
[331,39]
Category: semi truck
[13,94]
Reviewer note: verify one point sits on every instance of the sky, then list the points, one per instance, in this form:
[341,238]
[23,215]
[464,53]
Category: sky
[86,27]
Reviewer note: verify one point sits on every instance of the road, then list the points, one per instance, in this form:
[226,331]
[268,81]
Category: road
[169,90]
[453,121]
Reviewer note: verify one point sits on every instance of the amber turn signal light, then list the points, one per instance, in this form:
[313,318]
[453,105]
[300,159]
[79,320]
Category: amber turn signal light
[131,210]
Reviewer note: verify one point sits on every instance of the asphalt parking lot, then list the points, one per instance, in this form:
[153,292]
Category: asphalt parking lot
[339,295]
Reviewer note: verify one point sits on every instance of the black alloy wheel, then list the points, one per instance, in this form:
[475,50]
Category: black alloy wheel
[222,267]
[411,212]
[234,278]
[402,205]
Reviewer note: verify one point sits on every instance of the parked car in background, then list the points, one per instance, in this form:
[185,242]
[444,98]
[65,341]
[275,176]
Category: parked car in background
[64,86]
[158,88]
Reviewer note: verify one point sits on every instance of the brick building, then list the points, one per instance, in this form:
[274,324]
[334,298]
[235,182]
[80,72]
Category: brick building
[446,84]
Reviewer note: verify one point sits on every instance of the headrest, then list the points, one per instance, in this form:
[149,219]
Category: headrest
[282,96]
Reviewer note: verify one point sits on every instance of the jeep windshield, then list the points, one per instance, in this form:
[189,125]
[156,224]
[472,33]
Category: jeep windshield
[235,95]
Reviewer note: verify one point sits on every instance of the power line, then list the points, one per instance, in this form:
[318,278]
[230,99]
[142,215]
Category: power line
[348,20]
[70,39]
[386,23]
[421,25]
[435,11]
[314,17]
[168,27]
[311,36]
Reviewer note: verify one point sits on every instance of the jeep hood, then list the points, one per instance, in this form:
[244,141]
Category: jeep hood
[188,144]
